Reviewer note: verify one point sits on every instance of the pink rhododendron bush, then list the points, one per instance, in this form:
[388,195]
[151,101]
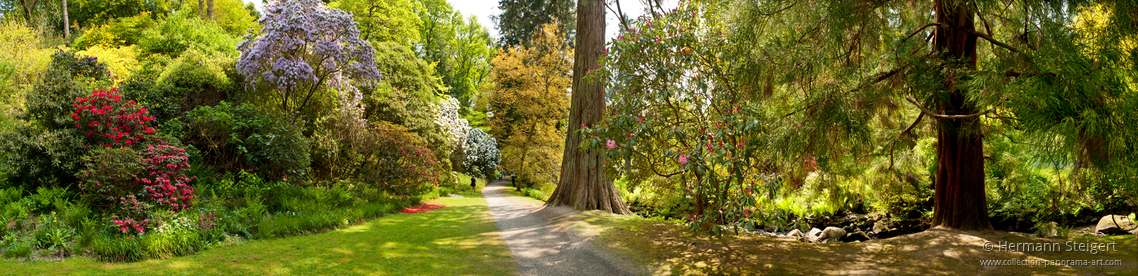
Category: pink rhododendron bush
[132,173]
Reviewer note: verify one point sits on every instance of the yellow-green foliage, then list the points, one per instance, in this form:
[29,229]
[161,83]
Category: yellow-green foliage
[122,61]
[21,61]
[99,36]
[196,68]
[529,104]
[231,16]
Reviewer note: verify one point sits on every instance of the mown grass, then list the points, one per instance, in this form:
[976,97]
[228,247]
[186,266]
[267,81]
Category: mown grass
[460,239]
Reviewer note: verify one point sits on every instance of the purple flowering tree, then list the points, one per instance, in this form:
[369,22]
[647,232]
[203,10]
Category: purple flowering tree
[306,46]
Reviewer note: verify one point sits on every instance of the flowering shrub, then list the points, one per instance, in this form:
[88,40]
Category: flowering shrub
[297,32]
[110,121]
[674,116]
[482,155]
[164,178]
[81,66]
[399,162]
[456,128]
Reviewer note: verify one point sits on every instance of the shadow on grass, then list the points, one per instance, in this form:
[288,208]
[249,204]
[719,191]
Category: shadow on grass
[460,239]
[672,249]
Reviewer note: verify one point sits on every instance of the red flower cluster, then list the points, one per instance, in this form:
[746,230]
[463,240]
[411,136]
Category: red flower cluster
[163,178]
[127,225]
[110,121]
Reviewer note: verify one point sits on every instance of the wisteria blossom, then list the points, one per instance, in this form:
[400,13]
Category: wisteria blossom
[303,47]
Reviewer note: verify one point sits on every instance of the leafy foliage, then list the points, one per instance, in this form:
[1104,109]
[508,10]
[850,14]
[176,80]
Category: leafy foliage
[45,150]
[181,32]
[245,137]
[520,19]
[530,103]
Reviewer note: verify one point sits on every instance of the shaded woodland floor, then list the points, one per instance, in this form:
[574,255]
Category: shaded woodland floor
[671,249]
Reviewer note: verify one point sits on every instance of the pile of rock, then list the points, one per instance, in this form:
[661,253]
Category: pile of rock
[1116,225]
[828,235]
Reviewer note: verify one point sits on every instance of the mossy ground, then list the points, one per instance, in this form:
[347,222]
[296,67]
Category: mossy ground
[460,239]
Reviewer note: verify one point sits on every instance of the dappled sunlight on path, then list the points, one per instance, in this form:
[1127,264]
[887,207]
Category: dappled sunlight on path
[540,247]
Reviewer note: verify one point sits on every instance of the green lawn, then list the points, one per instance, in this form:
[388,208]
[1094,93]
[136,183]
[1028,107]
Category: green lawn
[460,239]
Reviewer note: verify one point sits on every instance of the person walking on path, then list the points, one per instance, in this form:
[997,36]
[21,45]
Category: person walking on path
[473,183]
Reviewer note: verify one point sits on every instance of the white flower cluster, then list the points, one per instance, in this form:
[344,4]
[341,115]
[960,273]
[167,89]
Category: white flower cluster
[456,127]
[178,223]
[482,155]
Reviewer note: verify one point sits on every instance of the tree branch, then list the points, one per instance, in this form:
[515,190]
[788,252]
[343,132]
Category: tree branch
[922,28]
[619,14]
[943,116]
[994,41]
[903,133]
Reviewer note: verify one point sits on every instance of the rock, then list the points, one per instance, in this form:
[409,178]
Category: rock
[795,233]
[813,232]
[1112,225]
[831,235]
[855,236]
[880,226]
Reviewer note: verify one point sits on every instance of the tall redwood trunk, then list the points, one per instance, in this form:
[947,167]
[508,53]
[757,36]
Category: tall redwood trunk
[960,202]
[583,184]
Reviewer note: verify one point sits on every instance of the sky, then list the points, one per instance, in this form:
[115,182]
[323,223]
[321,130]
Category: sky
[486,8]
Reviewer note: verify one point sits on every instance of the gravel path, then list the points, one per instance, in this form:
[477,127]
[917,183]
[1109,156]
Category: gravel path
[542,248]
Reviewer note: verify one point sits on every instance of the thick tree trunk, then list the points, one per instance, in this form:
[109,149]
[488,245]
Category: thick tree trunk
[960,202]
[209,9]
[66,23]
[201,8]
[583,184]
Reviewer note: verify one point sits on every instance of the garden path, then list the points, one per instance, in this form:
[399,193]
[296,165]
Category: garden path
[542,247]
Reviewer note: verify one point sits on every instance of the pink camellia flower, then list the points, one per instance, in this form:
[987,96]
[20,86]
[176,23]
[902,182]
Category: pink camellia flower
[746,213]
[683,159]
[611,144]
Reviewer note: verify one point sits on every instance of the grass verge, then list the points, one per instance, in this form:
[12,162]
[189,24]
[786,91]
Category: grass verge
[461,239]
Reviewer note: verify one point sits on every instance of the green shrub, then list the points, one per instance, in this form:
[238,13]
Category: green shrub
[121,62]
[45,150]
[243,137]
[19,249]
[123,31]
[203,77]
[536,194]
[46,198]
[172,241]
[183,31]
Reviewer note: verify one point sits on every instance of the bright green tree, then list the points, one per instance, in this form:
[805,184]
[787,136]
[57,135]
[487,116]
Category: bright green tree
[520,19]
[971,68]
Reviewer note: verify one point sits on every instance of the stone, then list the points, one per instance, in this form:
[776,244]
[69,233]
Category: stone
[813,233]
[880,226]
[831,235]
[795,233]
[855,236]
[1114,225]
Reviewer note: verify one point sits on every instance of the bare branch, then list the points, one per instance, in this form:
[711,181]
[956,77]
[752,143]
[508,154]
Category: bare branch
[922,28]
[943,116]
[907,131]
[994,41]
